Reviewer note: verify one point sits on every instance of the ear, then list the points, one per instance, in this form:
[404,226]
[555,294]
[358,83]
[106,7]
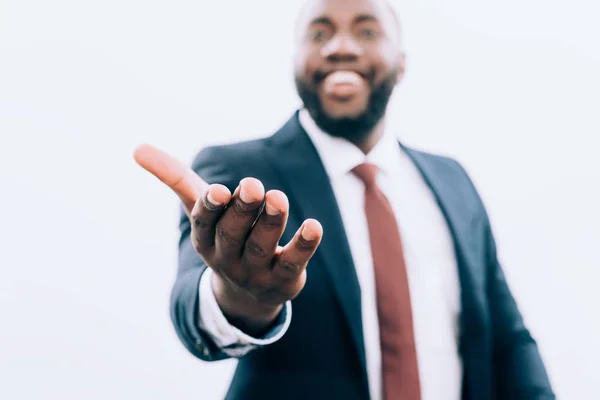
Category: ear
[401,66]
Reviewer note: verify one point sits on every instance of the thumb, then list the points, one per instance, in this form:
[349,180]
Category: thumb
[173,173]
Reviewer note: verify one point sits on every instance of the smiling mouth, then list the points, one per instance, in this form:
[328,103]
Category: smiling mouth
[320,76]
[343,85]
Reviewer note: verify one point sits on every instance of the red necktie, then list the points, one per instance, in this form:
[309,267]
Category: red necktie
[400,374]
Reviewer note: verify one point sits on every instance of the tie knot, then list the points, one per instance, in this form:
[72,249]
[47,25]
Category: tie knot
[367,173]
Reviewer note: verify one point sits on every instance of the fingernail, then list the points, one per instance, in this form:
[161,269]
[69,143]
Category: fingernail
[245,197]
[211,200]
[307,234]
[272,210]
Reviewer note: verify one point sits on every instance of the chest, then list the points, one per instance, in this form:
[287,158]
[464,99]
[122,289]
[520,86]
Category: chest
[428,250]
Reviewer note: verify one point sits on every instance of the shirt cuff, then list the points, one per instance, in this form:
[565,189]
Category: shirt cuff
[212,321]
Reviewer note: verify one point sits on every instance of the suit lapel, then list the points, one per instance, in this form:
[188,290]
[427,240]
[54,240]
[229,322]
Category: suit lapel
[309,190]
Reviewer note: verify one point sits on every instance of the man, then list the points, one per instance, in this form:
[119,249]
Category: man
[388,285]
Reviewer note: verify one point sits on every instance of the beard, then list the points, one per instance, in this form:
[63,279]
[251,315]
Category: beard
[353,129]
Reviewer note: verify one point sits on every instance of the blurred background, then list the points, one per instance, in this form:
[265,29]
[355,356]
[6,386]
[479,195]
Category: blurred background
[88,239]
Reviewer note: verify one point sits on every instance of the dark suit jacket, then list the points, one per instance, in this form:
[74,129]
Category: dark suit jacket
[322,355]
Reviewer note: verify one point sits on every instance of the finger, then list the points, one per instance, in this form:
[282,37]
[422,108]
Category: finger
[173,173]
[204,216]
[293,258]
[234,226]
[264,237]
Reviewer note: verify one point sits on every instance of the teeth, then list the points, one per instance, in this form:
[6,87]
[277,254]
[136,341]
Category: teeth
[344,77]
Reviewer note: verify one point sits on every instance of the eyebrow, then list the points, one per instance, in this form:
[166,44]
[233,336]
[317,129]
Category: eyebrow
[321,20]
[366,18]
[361,18]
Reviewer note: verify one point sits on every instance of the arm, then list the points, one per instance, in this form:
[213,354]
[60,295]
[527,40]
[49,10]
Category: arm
[204,329]
[185,304]
[519,372]
[227,338]
[234,237]
[518,369]
[197,317]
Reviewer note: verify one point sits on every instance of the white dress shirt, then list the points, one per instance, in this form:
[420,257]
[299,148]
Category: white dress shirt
[429,255]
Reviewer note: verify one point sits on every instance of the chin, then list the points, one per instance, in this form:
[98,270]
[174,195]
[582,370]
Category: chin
[344,110]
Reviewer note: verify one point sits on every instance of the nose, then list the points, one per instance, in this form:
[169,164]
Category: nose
[341,48]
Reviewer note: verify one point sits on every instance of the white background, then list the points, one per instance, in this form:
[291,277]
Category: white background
[88,239]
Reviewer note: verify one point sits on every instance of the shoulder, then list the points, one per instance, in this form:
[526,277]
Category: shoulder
[227,163]
[441,165]
[231,155]
[448,172]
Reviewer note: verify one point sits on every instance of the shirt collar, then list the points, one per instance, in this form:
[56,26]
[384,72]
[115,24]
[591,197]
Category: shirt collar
[339,156]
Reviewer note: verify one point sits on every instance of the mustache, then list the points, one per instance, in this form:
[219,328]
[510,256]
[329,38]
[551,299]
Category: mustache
[320,75]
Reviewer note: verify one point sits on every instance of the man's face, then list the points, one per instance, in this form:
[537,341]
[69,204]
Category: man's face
[347,63]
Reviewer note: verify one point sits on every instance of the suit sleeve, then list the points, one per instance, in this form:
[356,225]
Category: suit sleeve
[519,371]
[229,339]
[202,327]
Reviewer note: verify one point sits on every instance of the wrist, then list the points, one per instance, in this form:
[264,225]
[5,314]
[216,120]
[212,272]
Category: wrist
[241,309]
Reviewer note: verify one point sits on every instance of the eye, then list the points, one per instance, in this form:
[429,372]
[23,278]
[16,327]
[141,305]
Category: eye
[369,33]
[318,35]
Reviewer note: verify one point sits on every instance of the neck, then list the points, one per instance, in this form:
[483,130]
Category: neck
[368,141]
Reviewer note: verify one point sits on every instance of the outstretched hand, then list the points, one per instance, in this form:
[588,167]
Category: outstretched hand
[237,235]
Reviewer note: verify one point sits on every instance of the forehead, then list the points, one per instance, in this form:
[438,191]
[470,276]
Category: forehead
[341,12]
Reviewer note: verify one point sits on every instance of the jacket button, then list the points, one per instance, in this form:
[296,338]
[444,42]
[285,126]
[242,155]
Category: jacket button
[202,347]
